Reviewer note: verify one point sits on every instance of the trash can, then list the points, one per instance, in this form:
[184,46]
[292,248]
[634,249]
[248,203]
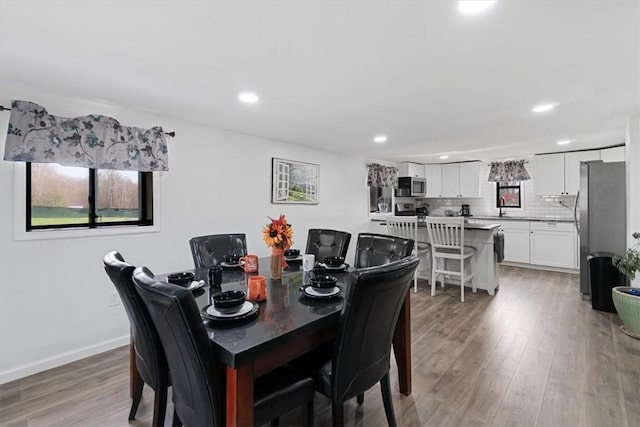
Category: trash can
[603,276]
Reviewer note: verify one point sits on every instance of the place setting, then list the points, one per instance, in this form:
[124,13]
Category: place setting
[293,255]
[321,286]
[230,307]
[232,261]
[187,280]
[334,263]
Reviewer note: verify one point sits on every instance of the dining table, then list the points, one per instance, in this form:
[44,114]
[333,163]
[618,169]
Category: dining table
[286,326]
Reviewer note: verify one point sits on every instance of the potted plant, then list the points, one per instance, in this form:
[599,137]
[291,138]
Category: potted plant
[627,299]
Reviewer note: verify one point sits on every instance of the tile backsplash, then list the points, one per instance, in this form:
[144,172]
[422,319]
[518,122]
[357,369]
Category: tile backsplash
[554,207]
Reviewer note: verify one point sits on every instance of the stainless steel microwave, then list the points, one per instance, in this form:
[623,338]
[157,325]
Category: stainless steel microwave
[409,186]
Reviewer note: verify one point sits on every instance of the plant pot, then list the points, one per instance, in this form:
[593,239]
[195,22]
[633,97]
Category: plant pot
[628,307]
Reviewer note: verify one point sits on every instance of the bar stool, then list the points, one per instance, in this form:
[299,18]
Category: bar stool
[407,226]
[447,243]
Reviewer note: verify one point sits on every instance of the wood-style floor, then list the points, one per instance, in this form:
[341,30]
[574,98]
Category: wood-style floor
[532,355]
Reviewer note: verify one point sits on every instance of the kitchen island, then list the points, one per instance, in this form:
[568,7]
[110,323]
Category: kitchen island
[478,236]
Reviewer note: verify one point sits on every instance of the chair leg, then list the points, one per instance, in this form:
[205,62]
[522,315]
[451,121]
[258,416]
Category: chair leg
[385,388]
[160,406]
[176,420]
[360,399]
[462,280]
[415,283]
[310,413]
[137,395]
[433,276]
[337,413]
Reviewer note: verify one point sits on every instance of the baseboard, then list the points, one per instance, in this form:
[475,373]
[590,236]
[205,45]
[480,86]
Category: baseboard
[542,267]
[61,359]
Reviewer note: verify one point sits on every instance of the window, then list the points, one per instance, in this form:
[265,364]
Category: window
[508,195]
[380,200]
[64,197]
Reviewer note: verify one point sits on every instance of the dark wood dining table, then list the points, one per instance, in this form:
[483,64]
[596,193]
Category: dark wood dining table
[288,325]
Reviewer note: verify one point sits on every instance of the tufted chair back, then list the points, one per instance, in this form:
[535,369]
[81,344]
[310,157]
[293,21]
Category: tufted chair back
[378,249]
[208,251]
[324,243]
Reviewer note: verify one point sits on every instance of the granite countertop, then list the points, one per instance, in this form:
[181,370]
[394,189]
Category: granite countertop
[381,217]
[487,227]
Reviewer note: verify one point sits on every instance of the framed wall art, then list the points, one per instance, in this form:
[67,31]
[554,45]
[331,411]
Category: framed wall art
[294,182]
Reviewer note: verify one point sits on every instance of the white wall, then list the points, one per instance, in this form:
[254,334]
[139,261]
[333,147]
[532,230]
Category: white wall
[54,294]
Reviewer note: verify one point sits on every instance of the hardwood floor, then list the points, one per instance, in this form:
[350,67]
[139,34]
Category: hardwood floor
[532,355]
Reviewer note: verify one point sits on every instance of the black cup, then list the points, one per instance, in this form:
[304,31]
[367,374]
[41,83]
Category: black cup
[232,258]
[334,261]
[292,253]
[215,276]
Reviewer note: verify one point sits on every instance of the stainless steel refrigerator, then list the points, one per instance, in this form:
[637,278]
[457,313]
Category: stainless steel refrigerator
[602,212]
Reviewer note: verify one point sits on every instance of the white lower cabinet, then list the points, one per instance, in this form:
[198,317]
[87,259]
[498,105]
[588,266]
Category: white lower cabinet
[516,241]
[552,244]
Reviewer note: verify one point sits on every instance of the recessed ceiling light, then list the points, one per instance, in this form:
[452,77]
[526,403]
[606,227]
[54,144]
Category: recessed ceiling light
[380,139]
[248,97]
[474,7]
[564,142]
[444,157]
[543,108]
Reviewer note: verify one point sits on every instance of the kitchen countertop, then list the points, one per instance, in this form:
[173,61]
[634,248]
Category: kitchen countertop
[421,223]
[381,217]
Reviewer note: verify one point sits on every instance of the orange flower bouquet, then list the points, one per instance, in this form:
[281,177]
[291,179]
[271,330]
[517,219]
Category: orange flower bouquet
[278,235]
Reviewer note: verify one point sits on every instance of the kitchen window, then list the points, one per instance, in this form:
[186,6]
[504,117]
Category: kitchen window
[59,197]
[380,200]
[508,195]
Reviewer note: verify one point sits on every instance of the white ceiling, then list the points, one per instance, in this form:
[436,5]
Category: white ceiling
[334,74]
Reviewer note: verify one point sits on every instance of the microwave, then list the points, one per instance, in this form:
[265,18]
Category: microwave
[409,186]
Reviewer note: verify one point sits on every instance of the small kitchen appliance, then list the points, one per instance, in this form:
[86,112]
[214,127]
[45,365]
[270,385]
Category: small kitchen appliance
[409,186]
[465,211]
[406,209]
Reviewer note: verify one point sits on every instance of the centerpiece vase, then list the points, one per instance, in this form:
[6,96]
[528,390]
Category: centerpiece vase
[277,262]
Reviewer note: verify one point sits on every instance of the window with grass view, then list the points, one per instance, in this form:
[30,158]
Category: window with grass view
[63,196]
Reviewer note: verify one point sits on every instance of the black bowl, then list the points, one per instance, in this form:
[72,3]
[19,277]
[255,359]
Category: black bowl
[334,261]
[323,281]
[229,301]
[181,278]
[292,253]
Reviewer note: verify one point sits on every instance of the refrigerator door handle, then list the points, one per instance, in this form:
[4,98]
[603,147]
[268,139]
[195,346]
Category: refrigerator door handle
[575,212]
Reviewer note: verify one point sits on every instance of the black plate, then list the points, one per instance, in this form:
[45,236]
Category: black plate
[225,264]
[320,297]
[230,319]
[329,270]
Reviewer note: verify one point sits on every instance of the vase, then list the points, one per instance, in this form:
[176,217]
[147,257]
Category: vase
[277,262]
[628,308]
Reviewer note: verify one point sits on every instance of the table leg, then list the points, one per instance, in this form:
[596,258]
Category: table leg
[402,346]
[133,368]
[240,396]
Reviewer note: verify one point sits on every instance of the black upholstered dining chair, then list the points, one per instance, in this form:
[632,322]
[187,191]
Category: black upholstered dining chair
[208,251]
[150,359]
[325,243]
[361,356]
[378,249]
[198,386]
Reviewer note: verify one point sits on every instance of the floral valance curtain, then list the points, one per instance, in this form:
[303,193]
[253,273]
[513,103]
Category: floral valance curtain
[92,141]
[509,171]
[382,176]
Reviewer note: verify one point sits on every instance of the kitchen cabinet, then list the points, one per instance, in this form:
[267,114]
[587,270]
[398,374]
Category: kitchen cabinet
[415,170]
[516,241]
[433,174]
[559,173]
[461,179]
[548,174]
[572,168]
[614,154]
[552,244]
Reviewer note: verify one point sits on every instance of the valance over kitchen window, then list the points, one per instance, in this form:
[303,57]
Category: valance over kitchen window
[382,176]
[509,171]
[93,141]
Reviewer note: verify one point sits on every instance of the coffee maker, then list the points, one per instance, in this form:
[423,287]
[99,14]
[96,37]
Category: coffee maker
[465,211]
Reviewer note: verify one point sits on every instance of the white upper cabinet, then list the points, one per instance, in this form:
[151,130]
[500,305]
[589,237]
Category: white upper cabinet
[433,174]
[559,173]
[548,174]
[572,168]
[615,154]
[470,179]
[415,170]
[460,179]
[451,180]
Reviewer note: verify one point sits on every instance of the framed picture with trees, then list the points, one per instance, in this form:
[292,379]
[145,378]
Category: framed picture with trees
[294,182]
